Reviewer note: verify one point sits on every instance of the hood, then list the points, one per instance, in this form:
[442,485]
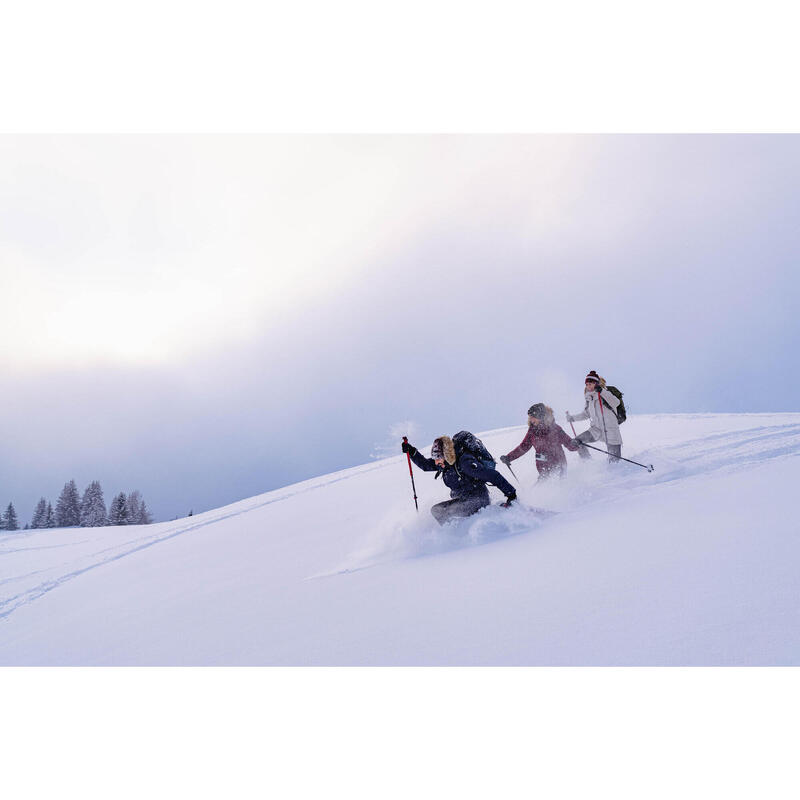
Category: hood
[443,447]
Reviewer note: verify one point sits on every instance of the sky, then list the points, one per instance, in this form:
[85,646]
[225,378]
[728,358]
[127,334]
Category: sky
[208,317]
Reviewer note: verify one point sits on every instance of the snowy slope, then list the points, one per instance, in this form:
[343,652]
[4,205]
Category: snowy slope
[696,563]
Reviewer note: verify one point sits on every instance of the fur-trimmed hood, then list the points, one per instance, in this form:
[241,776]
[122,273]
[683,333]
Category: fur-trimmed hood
[543,413]
[447,448]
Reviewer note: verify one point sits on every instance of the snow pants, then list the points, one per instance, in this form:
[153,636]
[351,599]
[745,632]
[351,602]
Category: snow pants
[586,436]
[614,450]
[556,471]
[452,509]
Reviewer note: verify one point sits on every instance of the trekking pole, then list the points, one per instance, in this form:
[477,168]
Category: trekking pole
[648,467]
[411,473]
[603,417]
[512,472]
[575,435]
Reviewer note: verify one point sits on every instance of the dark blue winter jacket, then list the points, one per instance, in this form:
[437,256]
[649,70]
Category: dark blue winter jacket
[466,478]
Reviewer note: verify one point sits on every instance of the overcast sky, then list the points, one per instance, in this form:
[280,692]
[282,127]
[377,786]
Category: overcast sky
[205,318]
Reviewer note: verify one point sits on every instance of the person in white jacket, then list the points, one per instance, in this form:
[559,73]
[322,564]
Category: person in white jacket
[601,410]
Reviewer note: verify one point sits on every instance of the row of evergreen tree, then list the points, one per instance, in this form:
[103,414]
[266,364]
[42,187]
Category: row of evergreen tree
[87,512]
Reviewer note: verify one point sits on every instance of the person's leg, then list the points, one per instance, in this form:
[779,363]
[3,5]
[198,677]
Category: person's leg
[454,509]
[441,511]
[615,451]
[586,436]
[548,471]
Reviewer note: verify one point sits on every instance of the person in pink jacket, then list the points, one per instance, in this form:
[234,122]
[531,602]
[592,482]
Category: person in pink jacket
[547,438]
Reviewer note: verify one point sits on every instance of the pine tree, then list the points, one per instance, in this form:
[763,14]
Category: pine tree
[118,514]
[50,517]
[138,513]
[93,507]
[145,517]
[39,515]
[68,507]
[134,507]
[10,519]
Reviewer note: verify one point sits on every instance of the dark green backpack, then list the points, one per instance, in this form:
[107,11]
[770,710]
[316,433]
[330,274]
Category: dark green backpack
[622,414]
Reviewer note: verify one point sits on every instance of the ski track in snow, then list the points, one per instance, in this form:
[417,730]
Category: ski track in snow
[116,552]
[3,551]
[701,456]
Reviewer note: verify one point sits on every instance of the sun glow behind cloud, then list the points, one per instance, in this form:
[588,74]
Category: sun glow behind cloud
[107,317]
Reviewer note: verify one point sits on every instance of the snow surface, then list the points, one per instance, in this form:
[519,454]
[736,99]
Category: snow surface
[694,564]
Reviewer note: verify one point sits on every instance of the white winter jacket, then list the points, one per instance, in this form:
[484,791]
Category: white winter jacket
[592,411]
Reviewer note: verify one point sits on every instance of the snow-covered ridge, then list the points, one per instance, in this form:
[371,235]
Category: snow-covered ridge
[692,564]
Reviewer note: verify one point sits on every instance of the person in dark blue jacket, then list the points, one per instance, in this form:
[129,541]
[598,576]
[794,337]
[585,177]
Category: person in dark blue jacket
[464,476]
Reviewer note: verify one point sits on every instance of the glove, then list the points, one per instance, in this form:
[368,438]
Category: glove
[569,417]
[407,448]
[577,442]
[509,500]
[506,460]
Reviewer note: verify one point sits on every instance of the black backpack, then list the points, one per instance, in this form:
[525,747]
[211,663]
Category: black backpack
[622,414]
[466,442]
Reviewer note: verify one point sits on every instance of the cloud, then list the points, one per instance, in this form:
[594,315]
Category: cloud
[143,249]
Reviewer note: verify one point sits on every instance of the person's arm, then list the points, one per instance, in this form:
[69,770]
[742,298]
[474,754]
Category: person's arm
[582,416]
[469,466]
[522,447]
[425,464]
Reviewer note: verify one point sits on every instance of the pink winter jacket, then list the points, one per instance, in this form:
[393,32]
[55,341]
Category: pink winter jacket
[548,441]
